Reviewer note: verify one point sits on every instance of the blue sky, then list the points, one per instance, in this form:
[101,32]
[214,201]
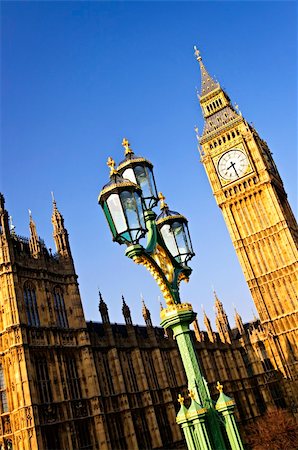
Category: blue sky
[79,76]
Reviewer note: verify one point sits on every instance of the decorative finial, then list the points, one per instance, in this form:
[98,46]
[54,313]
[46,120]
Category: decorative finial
[100,296]
[111,164]
[237,109]
[219,387]
[180,399]
[197,54]
[53,198]
[123,301]
[162,198]
[197,133]
[143,301]
[11,225]
[30,214]
[191,394]
[126,145]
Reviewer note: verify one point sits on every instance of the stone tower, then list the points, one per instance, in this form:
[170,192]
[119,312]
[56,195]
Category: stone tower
[250,193]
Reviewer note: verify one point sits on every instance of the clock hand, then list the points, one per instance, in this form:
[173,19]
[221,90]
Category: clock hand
[233,165]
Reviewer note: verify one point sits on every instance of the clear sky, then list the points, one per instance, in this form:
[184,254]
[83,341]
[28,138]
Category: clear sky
[77,77]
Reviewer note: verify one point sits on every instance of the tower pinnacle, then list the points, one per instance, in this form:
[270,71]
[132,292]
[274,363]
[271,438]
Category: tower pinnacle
[34,239]
[208,84]
[59,231]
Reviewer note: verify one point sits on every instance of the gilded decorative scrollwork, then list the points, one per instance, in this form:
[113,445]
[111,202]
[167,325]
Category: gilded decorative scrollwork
[148,264]
[164,262]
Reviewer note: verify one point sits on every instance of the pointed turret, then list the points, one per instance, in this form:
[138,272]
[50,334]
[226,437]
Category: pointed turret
[208,84]
[221,321]
[216,105]
[59,232]
[103,309]
[34,243]
[239,322]
[6,253]
[126,312]
[197,331]
[4,223]
[208,327]
[146,314]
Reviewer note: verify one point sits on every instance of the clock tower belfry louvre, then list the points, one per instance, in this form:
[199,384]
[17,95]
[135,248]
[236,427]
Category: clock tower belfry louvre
[249,191]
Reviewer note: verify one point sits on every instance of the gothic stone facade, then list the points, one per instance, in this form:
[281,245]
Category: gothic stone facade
[68,384]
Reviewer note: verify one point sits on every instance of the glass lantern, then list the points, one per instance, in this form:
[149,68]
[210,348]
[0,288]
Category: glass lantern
[174,230]
[140,171]
[121,201]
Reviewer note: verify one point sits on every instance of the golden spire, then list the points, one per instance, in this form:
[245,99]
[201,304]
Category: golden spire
[162,198]
[219,387]
[126,145]
[111,164]
[180,399]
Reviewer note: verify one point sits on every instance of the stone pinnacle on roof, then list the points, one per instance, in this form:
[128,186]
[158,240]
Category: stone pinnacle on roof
[208,84]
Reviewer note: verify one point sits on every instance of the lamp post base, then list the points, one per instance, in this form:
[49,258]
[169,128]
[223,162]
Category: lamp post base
[201,423]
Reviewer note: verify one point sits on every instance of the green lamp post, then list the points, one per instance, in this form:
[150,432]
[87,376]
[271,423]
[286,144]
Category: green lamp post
[128,201]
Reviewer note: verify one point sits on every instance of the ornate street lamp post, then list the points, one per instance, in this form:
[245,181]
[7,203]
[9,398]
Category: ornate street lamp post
[128,201]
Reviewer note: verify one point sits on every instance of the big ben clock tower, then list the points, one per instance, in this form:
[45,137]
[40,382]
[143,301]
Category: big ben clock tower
[249,191]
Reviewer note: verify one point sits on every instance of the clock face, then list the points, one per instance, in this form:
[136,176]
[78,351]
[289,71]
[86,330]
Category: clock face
[232,164]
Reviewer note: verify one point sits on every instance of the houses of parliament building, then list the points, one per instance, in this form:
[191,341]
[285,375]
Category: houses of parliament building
[67,384]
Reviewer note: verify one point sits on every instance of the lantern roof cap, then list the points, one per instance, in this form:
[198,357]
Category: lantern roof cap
[223,401]
[130,157]
[166,214]
[117,182]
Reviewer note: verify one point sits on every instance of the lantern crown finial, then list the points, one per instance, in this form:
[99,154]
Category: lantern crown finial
[126,145]
[180,399]
[162,198]
[111,164]
[219,387]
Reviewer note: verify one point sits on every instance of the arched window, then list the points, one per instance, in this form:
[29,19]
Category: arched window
[60,308]
[43,380]
[3,396]
[31,305]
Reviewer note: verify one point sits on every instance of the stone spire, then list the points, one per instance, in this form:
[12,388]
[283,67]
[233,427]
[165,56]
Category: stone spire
[103,309]
[6,245]
[221,321]
[239,322]
[4,223]
[215,103]
[197,330]
[208,327]
[126,312]
[34,243]
[208,84]
[59,231]
[146,314]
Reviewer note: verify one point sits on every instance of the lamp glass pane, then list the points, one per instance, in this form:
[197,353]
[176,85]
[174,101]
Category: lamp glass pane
[130,207]
[188,239]
[116,211]
[143,181]
[129,175]
[169,239]
[181,240]
[152,183]
[140,210]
